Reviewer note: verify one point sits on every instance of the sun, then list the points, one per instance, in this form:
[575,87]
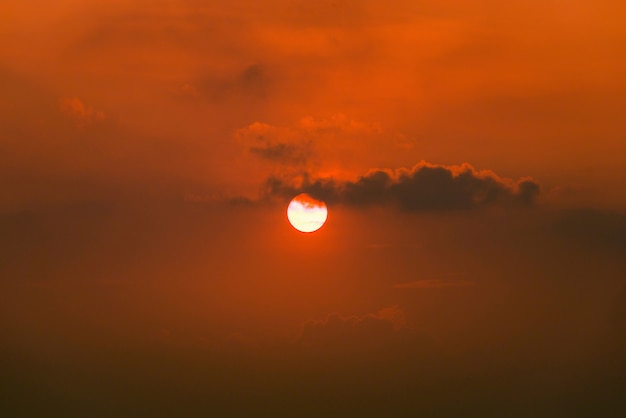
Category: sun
[306,214]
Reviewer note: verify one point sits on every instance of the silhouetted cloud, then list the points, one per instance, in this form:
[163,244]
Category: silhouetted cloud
[424,187]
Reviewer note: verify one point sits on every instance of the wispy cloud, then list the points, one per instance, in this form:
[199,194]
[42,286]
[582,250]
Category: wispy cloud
[76,109]
[435,284]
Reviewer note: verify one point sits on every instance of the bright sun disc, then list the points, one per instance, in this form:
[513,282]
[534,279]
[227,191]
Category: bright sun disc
[306,214]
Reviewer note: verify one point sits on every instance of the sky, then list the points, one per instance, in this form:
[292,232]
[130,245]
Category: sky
[472,156]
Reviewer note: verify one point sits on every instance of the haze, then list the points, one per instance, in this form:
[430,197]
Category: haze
[472,157]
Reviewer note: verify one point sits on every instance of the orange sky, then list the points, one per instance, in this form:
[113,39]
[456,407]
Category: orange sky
[523,88]
[472,156]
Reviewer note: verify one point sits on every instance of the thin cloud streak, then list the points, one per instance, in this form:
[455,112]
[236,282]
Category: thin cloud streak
[435,284]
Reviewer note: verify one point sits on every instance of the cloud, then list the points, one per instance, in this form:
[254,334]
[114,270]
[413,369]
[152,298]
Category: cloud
[281,152]
[307,144]
[275,145]
[337,331]
[253,81]
[339,123]
[595,228]
[245,82]
[76,109]
[424,187]
[435,284]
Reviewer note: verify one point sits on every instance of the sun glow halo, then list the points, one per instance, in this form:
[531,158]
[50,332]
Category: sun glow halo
[306,214]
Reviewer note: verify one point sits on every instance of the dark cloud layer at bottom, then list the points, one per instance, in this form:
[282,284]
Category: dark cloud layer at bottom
[95,304]
[394,377]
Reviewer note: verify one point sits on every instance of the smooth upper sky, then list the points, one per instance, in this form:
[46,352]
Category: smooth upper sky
[472,156]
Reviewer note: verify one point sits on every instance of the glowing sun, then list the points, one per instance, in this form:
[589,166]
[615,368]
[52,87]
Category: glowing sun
[306,214]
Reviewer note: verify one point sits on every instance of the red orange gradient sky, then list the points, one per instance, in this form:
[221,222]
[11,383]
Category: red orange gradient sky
[472,156]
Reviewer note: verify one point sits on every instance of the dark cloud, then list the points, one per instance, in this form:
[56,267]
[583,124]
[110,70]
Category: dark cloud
[169,345]
[289,154]
[307,143]
[423,187]
[253,81]
[247,83]
[593,227]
